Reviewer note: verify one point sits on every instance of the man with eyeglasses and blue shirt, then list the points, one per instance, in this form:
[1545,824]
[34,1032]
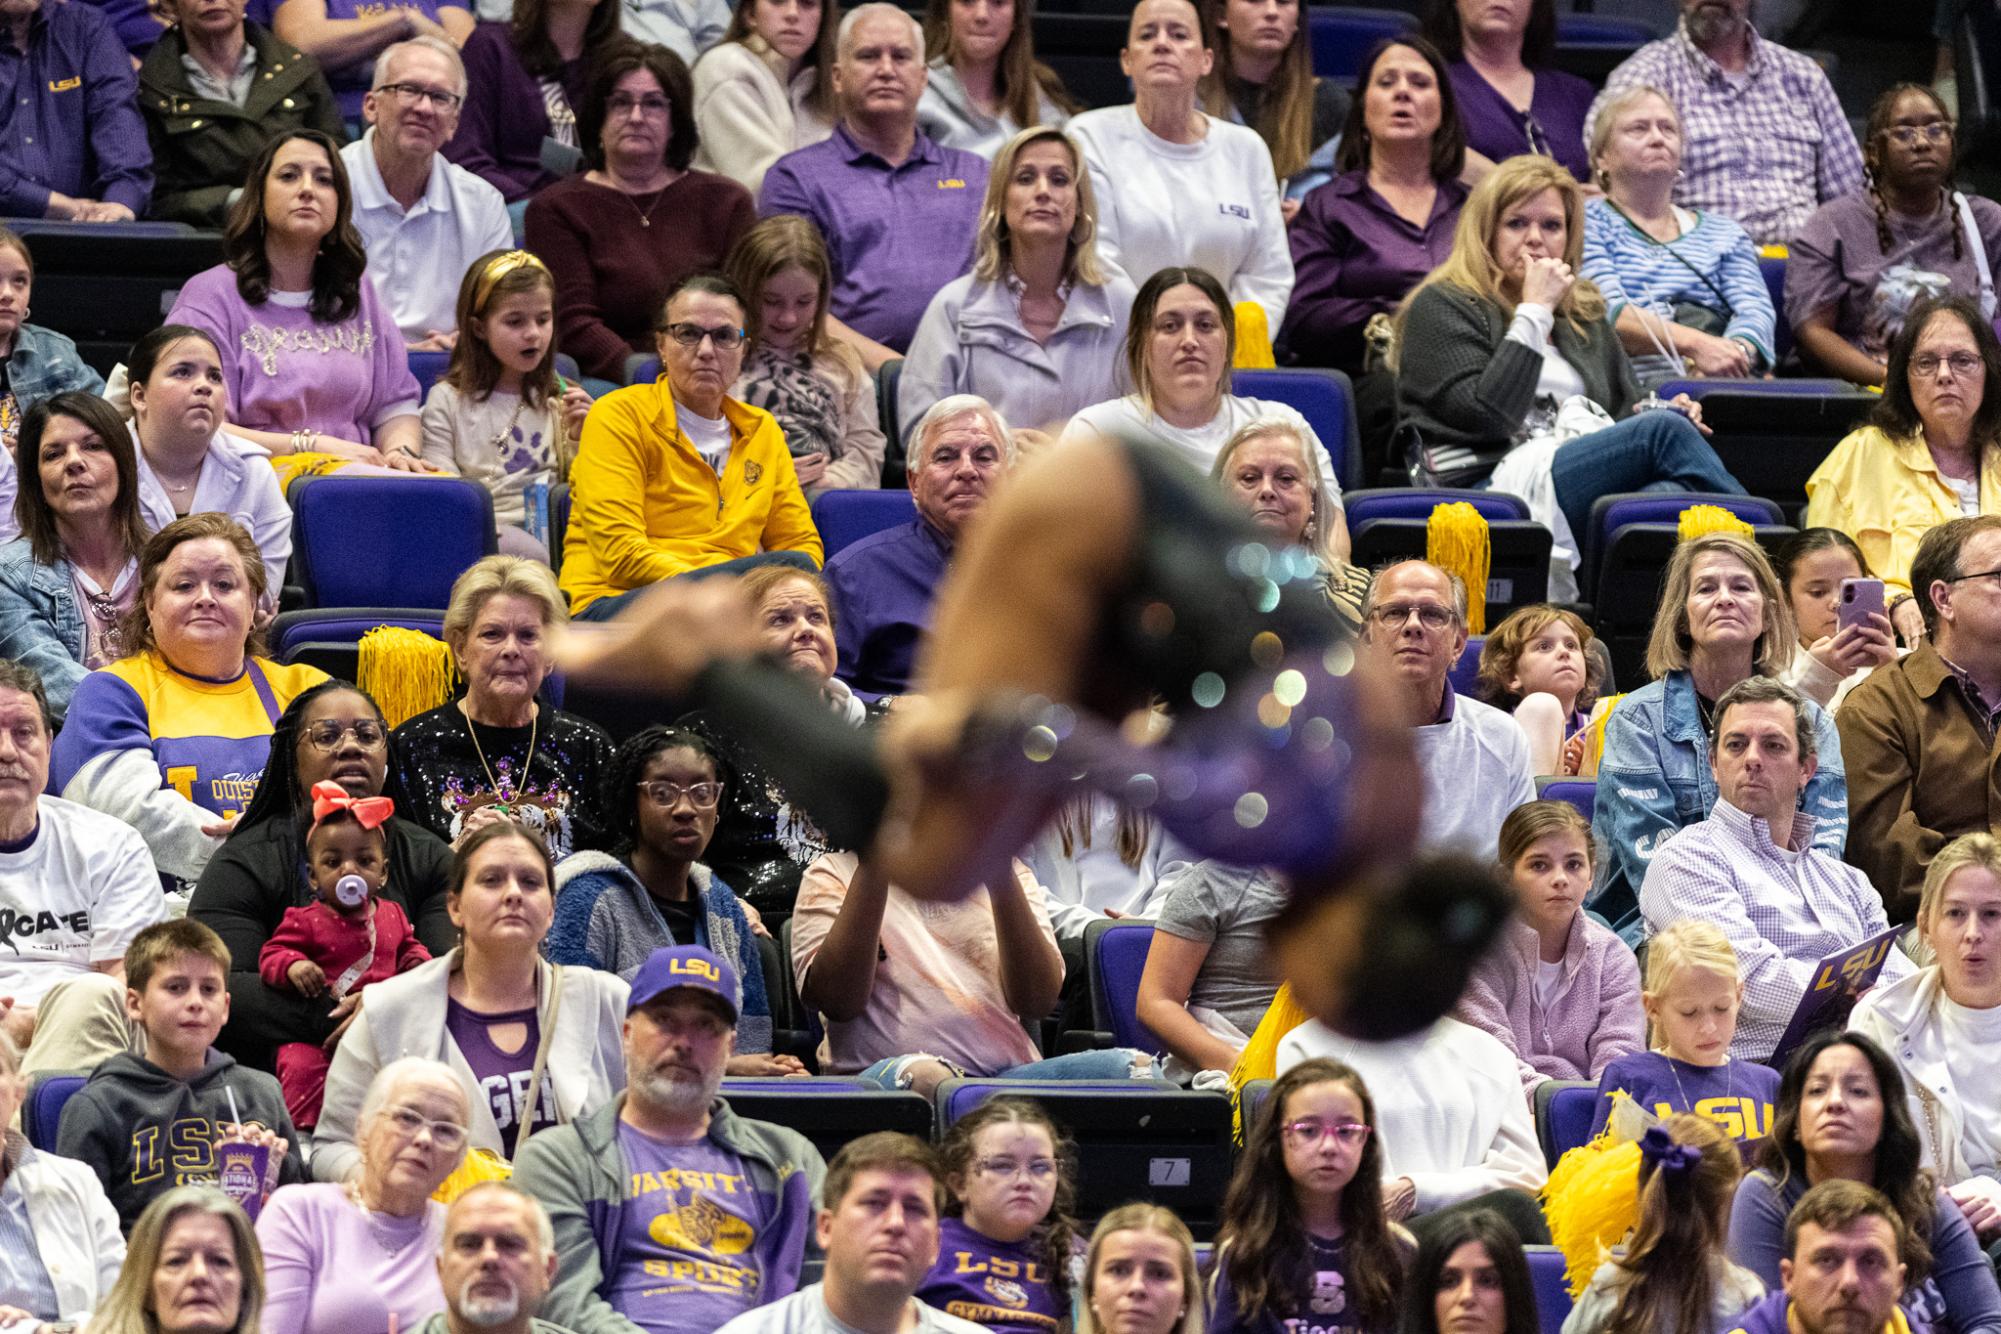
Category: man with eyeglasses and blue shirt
[423,220]
[1474,758]
[1918,736]
[676,479]
[671,1212]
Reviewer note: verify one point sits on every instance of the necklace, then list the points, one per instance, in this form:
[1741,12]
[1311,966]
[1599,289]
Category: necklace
[534,722]
[508,430]
[1729,1080]
[645,214]
[390,1247]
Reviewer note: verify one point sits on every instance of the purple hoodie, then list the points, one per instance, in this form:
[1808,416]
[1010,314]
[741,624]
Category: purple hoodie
[1595,1018]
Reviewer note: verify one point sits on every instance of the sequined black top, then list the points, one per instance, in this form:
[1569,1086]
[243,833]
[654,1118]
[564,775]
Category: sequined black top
[437,777]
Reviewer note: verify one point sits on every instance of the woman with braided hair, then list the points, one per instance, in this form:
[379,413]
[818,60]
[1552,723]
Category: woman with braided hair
[1864,260]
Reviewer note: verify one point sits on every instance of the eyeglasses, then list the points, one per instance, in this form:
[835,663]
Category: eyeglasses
[1938,131]
[1962,363]
[1007,1169]
[649,106]
[410,1124]
[326,734]
[1351,1134]
[1979,574]
[666,795]
[1430,615]
[409,94]
[724,337]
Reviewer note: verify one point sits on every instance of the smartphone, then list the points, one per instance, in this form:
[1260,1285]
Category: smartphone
[1860,598]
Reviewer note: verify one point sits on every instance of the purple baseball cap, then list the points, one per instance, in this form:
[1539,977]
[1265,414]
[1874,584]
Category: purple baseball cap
[688,966]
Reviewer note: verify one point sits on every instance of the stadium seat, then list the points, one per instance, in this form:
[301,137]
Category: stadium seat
[1392,523]
[1465,673]
[846,517]
[1326,398]
[106,283]
[829,1112]
[1135,1139]
[329,638]
[429,367]
[1252,1098]
[1563,1112]
[1602,30]
[559,523]
[42,1110]
[1552,1290]
[1115,955]
[1771,434]
[1579,792]
[641,368]
[1611,513]
[1342,37]
[1083,49]
[344,529]
[1773,269]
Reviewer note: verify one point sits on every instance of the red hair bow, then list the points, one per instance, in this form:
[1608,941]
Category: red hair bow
[369,812]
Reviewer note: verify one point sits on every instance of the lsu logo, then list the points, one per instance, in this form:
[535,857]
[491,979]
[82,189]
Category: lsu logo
[702,1225]
[952,183]
[68,85]
[1235,211]
[701,968]
[1007,1292]
[753,473]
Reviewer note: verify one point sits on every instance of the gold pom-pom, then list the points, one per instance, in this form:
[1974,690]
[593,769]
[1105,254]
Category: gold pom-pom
[1259,1058]
[406,672]
[1456,540]
[1592,1197]
[1699,519]
[1254,351]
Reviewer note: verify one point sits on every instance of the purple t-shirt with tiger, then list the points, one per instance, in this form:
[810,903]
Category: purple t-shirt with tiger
[691,1228]
[1005,1286]
[503,1076]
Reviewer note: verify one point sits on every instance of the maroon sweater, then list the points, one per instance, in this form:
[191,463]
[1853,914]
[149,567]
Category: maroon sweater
[612,273]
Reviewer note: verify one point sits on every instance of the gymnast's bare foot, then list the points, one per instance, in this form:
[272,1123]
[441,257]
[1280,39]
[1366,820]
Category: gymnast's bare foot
[663,640]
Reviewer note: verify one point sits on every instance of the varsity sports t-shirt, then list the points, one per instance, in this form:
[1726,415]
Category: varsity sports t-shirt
[1005,1286]
[690,1231]
[211,739]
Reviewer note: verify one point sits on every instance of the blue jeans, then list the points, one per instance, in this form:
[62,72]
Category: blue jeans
[1110,1063]
[606,608]
[1650,451]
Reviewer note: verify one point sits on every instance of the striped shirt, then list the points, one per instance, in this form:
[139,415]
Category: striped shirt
[1765,147]
[1712,264]
[1783,911]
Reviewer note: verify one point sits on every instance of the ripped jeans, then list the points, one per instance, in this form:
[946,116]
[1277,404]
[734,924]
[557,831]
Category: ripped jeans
[1110,1063]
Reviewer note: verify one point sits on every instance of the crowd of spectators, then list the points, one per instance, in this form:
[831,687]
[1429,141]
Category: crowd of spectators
[422,1023]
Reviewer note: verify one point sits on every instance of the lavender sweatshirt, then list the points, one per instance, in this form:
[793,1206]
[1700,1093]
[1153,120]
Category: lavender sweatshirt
[1594,1019]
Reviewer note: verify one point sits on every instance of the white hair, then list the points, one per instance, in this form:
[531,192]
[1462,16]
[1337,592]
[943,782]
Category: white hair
[398,1072]
[438,45]
[949,409]
[874,7]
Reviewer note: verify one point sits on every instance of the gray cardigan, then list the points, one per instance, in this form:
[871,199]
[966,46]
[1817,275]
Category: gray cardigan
[1462,382]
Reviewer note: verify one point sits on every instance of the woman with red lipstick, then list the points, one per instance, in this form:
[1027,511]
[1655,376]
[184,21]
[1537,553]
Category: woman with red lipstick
[1938,1024]
[1862,261]
[1561,991]
[1842,1115]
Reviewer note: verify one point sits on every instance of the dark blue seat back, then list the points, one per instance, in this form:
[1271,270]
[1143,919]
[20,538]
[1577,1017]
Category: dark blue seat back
[830,1112]
[559,523]
[846,517]
[1417,502]
[1564,1109]
[1465,673]
[1342,37]
[1552,1291]
[1116,952]
[1579,792]
[345,625]
[344,529]
[42,1111]
[1325,398]
[429,368]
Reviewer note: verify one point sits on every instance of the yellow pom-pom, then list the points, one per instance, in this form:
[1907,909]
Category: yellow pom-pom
[1699,519]
[407,672]
[1592,1201]
[1456,540]
[1259,1058]
[1254,351]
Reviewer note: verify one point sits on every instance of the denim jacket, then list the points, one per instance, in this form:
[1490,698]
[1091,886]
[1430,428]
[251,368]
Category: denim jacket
[45,363]
[40,624]
[1655,779]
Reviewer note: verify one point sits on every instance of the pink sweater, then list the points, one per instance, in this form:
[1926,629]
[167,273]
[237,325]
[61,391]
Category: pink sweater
[1594,1018]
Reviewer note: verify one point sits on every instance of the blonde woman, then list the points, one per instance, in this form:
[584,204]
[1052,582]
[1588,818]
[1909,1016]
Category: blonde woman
[813,382]
[1512,376]
[985,84]
[192,1266]
[1723,616]
[1140,1275]
[1036,327]
[1267,467]
[766,88]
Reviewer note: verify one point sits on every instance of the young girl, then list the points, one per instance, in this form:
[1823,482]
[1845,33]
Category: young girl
[1008,1244]
[1560,991]
[501,415]
[815,384]
[1693,992]
[1674,1277]
[1305,1246]
[1811,566]
[347,938]
[1537,665]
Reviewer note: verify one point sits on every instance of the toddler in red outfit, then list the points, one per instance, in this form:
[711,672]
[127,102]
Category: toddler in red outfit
[345,939]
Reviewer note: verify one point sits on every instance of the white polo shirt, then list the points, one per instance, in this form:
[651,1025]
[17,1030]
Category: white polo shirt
[417,259]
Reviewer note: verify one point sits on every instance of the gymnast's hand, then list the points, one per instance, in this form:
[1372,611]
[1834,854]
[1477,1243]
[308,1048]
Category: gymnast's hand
[664,639]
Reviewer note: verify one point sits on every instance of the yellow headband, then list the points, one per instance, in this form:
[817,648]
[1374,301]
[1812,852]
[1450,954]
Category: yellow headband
[500,268]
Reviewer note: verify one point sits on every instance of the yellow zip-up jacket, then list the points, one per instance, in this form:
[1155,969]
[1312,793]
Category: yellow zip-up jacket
[644,505]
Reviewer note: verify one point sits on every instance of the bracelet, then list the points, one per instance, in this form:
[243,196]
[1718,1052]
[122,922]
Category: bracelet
[299,438]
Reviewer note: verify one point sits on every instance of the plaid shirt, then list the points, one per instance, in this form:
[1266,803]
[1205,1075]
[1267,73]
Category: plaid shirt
[1766,148]
[1986,714]
[1783,911]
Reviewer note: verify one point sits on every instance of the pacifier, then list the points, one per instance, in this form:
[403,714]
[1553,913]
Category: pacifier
[350,891]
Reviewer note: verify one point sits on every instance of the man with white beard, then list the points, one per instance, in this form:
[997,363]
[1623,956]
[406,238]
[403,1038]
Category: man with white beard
[498,1259]
[670,1212]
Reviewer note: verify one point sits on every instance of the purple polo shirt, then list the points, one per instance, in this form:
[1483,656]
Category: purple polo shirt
[895,234]
[69,116]
[1353,256]
[883,588]
[1554,125]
